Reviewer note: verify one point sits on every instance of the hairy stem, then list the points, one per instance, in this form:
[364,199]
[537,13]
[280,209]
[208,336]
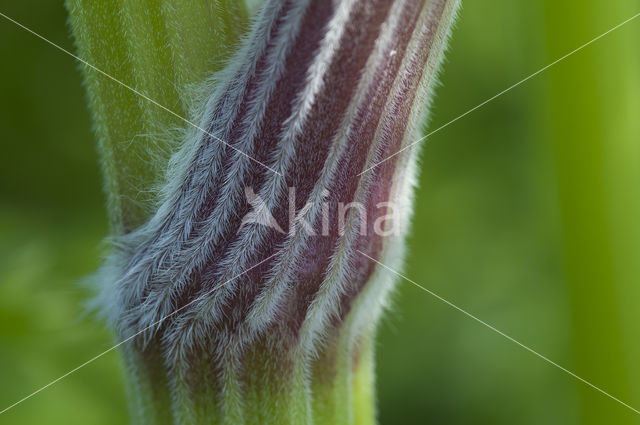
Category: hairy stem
[161,48]
[249,293]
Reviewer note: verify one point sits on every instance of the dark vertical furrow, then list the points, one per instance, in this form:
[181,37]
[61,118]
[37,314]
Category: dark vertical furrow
[279,107]
[340,83]
[401,106]
[231,131]
[313,264]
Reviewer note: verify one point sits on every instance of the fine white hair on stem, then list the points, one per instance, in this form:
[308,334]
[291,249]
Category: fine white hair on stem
[319,91]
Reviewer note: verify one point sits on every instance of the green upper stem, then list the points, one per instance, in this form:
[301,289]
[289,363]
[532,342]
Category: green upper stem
[162,48]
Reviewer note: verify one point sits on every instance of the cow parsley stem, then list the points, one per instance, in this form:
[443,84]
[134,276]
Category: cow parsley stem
[246,289]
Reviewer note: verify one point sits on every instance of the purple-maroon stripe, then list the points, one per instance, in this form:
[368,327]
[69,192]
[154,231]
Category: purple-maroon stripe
[342,188]
[382,178]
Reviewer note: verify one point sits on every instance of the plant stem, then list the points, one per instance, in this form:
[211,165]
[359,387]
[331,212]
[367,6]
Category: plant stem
[161,48]
[593,112]
[233,322]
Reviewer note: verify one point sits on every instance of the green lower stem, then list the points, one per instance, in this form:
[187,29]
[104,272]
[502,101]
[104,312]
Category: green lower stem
[343,387]
[263,386]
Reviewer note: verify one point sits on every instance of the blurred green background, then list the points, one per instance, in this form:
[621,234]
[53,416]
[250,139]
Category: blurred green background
[527,215]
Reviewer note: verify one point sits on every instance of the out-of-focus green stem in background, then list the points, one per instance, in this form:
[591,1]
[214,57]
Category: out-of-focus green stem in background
[594,129]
